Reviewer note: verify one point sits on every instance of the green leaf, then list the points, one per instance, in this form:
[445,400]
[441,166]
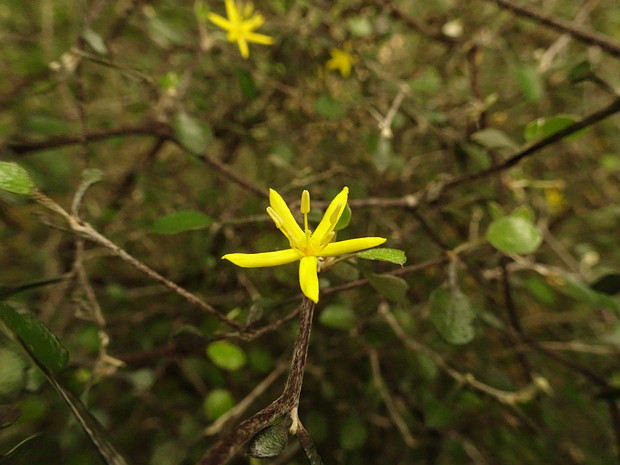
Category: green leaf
[572,287]
[514,235]
[226,355]
[8,414]
[344,220]
[607,284]
[580,72]
[360,26]
[270,442]
[91,427]
[384,254]
[181,221]
[34,450]
[12,373]
[217,403]
[15,179]
[492,138]
[382,155]
[353,432]
[328,107]
[530,82]
[34,335]
[545,127]
[246,84]
[95,41]
[452,314]
[428,82]
[193,134]
[338,317]
[391,287]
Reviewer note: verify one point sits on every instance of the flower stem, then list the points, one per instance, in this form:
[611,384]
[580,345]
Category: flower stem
[287,402]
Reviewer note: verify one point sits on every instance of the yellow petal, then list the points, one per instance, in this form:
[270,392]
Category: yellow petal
[232,12]
[219,21]
[259,38]
[255,260]
[252,23]
[308,278]
[288,221]
[352,245]
[243,47]
[332,215]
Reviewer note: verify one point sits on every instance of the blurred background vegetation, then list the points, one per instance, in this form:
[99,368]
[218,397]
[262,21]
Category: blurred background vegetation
[476,351]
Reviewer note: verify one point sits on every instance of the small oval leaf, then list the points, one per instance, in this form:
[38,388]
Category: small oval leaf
[12,373]
[15,179]
[353,432]
[392,287]
[226,355]
[217,403]
[194,134]
[512,234]
[384,254]
[452,314]
[338,317]
[181,221]
[34,335]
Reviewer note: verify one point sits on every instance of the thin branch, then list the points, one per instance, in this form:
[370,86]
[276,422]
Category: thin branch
[238,410]
[85,230]
[397,13]
[434,191]
[397,418]
[561,25]
[510,398]
[286,403]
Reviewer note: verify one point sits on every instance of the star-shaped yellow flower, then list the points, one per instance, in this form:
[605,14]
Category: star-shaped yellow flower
[241,24]
[306,246]
[342,60]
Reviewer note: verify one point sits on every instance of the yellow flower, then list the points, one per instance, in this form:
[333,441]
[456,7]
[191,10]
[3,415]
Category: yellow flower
[306,246]
[342,60]
[241,25]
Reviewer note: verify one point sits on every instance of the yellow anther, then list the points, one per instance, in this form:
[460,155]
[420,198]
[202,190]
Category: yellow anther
[333,219]
[275,217]
[327,238]
[305,202]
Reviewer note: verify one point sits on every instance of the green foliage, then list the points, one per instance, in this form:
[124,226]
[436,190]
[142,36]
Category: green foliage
[353,432]
[15,179]
[181,221]
[137,147]
[226,355]
[36,449]
[12,373]
[384,254]
[217,403]
[514,234]
[34,335]
[530,82]
[452,314]
[337,316]
[544,127]
[194,134]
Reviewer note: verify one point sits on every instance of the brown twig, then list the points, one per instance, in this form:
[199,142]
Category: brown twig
[85,230]
[561,25]
[286,403]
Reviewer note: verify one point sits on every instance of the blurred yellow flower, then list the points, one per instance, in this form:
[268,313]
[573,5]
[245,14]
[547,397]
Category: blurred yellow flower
[306,246]
[555,200]
[241,24]
[342,60]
